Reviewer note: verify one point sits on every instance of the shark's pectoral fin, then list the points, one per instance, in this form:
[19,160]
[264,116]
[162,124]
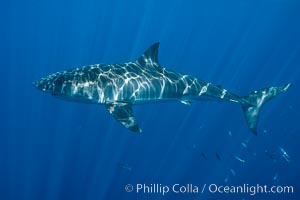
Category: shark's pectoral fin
[123,113]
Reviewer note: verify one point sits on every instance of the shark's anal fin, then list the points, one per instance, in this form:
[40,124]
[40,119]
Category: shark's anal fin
[123,113]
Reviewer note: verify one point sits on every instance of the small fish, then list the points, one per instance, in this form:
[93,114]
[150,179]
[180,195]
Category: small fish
[275,177]
[244,145]
[218,156]
[232,172]
[239,159]
[125,167]
[226,179]
[204,156]
[229,133]
[284,154]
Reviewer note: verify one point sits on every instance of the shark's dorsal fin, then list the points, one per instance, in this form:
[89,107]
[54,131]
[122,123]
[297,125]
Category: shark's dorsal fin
[149,57]
[123,113]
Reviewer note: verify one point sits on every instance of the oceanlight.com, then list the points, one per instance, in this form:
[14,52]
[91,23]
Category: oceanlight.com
[210,188]
[250,189]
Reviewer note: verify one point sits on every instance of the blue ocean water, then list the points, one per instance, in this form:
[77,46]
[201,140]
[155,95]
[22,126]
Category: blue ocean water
[53,149]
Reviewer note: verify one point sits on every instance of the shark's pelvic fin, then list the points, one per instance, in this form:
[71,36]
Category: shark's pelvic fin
[123,113]
[186,102]
[150,56]
[253,103]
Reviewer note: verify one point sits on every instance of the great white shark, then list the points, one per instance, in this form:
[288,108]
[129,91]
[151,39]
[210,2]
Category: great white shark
[120,86]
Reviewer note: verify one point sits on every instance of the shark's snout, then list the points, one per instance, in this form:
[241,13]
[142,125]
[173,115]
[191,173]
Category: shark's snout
[56,83]
[35,84]
[41,84]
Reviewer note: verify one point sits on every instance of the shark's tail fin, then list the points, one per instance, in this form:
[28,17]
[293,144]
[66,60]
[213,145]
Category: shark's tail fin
[252,103]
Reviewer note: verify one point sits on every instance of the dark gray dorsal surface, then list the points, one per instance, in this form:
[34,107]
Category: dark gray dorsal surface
[120,86]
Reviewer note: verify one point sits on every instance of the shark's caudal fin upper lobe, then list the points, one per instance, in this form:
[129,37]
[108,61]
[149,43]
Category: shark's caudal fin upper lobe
[253,103]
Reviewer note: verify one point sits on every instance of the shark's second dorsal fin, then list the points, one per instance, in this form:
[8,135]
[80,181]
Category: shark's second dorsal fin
[150,55]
